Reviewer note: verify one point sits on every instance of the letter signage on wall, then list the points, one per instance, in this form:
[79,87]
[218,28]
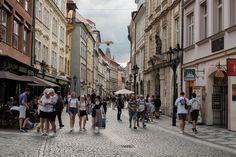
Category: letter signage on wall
[189,74]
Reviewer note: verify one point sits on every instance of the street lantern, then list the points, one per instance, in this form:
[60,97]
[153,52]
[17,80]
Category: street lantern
[43,65]
[130,81]
[174,57]
[135,70]
[75,81]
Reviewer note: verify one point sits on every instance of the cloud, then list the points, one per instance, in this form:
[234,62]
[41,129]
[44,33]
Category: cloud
[112,18]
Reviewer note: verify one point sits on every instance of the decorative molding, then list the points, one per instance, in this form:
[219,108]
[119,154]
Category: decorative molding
[188,3]
[203,41]
[231,29]
[189,48]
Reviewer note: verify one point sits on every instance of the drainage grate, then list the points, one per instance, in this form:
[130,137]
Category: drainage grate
[127,146]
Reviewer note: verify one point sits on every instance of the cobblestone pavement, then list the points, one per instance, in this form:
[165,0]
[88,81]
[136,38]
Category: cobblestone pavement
[116,140]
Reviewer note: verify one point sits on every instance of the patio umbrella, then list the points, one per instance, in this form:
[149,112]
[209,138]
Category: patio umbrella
[124,91]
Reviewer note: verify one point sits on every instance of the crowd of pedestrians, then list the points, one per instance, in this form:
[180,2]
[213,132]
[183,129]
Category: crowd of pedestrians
[141,110]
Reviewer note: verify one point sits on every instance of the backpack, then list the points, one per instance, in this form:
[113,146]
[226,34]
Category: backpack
[184,103]
[59,104]
[195,105]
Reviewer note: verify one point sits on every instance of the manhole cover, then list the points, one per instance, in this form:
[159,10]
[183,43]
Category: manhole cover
[127,146]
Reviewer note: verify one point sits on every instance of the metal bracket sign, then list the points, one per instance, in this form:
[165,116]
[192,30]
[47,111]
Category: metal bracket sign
[231,67]
[189,74]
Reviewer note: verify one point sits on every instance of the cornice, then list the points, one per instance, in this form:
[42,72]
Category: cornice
[162,14]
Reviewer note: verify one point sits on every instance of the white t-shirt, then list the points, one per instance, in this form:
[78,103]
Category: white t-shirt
[73,103]
[181,108]
[142,104]
[82,106]
[46,108]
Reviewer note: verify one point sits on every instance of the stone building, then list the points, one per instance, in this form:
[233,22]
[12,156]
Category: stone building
[162,31]
[50,40]
[209,40]
[16,26]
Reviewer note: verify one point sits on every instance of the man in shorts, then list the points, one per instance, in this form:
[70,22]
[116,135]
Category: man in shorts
[141,111]
[22,110]
[182,110]
[132,107]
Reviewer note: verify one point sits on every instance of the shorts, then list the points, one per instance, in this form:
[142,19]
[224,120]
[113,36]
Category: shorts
[133,114]
[82,113]
[73,111]
[182,116]
[141,114]
[22,111]
[43,114]
[194,115]
[52,116]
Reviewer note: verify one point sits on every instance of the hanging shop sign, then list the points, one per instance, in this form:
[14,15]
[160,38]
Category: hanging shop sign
[189,74]
[231,67]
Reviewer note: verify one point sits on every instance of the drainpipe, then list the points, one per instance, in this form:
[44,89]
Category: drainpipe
[182,45]
[33,36]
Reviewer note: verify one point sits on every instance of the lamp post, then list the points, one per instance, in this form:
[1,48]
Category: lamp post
[135,70]
[174,58]
[43,65]
[75,81]
[130,81]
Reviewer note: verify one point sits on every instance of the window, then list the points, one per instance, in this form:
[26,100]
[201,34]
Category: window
[158,3]
[177,31]
[83,34]
[164,37]
[61,64]
[38,50]
[83,72]
[83,51]
[45,54]
[26,5]
[46,17]
[25,40]
[39,10]
[219,15]
[190,29]
[15,40]
[54,59]
[232,12]
[62,34]
[4,26]
[203,22]
[54,26]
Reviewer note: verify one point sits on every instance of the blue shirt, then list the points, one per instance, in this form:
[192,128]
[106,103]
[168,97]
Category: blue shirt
[22,99]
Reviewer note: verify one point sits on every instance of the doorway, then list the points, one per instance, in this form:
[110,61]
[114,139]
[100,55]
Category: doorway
[220,101]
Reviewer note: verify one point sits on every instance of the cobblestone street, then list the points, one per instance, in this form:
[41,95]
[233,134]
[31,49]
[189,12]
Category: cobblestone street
[116,140]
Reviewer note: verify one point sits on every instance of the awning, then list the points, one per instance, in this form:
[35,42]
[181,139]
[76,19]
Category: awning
[41,82]
[10,76]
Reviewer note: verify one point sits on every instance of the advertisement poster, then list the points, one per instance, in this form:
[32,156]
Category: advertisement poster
[234,92]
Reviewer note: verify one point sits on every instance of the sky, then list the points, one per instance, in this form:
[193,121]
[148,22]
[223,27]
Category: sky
[112,18]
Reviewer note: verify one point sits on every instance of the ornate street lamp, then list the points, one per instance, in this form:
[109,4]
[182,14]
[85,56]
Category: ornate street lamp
[130,81]
[43,65]
[135,70]
[75,81]
[174,57]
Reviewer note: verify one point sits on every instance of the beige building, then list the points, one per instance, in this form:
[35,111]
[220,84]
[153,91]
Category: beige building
[162,32]
[121,78]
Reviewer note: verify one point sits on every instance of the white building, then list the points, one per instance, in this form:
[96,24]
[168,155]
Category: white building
[50,37]
[209,39]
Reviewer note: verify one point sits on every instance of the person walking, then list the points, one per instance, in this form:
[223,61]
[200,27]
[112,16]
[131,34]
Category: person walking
[82,112]
[132,108]
[59,108]
[73,109]
[182,110]
[45,100]
[195,107]
[22,110]
[120,106]
[97,113]
[141,111]
[52,110]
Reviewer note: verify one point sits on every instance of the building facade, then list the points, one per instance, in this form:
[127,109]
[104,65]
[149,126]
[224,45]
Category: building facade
[50,40]
[209,40]
[15,47]
[121,78]
[162,32]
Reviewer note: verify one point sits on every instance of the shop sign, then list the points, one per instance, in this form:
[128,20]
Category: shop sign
[234,92]
[189,74]
[231,67]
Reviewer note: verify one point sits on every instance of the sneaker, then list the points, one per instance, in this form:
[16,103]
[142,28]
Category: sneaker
[193,129]
[25,129]
[44,134]
[181,132]
[80,129]
[84,129]
[144,125]
[135,128]
[38,129]
[61,126]
[53,134]
[130,126]
[22,130]
[71,130]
